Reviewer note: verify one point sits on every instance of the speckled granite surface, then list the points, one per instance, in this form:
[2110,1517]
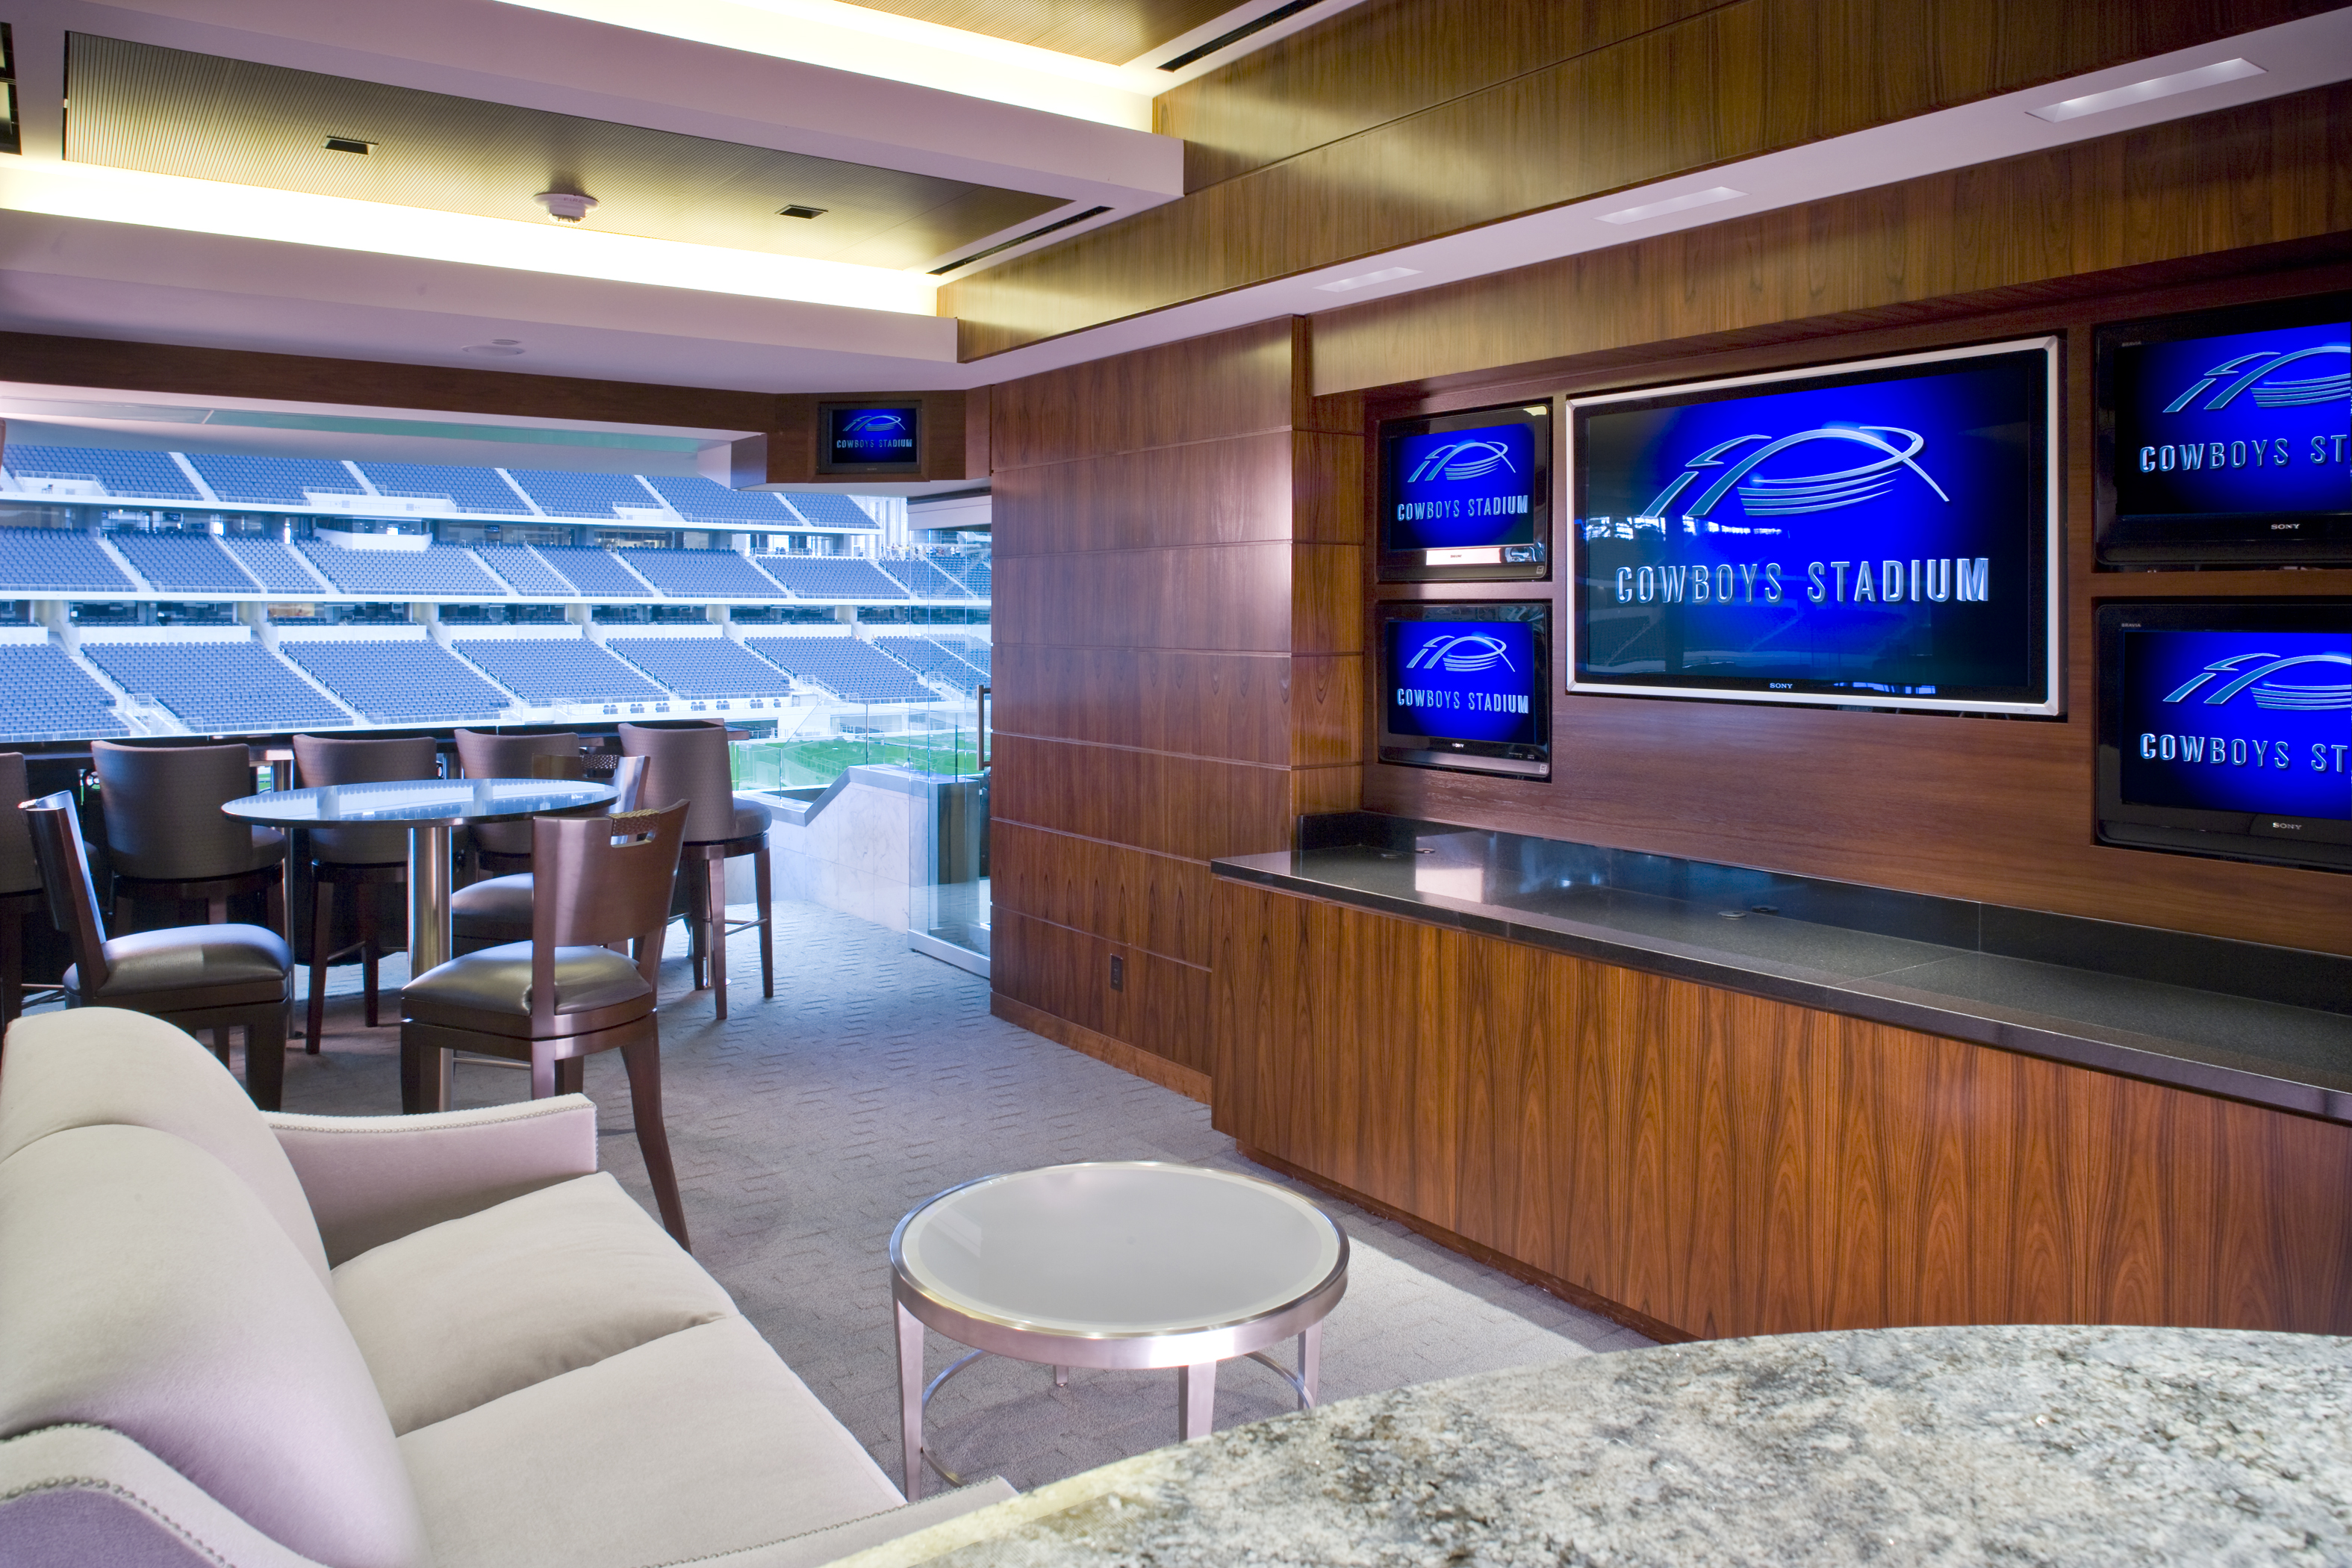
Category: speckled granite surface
[2068,1446]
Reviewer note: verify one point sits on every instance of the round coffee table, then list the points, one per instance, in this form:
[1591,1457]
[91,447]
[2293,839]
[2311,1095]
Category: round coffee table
[1117,1264]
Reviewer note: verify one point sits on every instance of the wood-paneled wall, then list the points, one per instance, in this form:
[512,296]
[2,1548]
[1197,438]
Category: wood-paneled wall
[1721,1165]
[1178,623]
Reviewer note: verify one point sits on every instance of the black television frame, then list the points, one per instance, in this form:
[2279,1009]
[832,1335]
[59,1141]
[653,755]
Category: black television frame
[2247,540]
[900,467]
[1526,563]
[2315,843]
[1509,760]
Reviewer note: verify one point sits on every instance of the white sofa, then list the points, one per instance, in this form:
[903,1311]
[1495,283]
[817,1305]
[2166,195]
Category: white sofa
[399,1342]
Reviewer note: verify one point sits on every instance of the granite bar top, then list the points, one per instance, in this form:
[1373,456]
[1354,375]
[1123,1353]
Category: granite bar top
[2073,1446]
[2270,1026]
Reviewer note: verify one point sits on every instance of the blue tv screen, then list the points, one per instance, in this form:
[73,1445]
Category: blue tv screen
[2228,437]
[1466,686]
[1879,534]
[1466,495]
[2227,726]
[869,438]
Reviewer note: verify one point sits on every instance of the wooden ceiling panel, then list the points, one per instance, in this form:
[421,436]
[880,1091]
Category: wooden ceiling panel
[1112,31]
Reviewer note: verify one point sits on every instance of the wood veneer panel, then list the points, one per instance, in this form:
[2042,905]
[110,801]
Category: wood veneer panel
[1127,896]
[1729,1165]
[1239,382]
[1231,598]
[1327,486]
[1237,706]
[1189,1082]
[1161,1007]
[1195,807]
[1230,491]
[1326,711]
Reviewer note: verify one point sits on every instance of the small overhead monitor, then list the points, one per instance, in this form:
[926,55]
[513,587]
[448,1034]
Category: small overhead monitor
[869,438]
[2225,437]
[1466,497]
[1466,686]
[2225,728]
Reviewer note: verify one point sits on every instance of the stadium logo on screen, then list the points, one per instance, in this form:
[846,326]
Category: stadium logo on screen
[2267,692]
[1463,654]
[873,425]
[1793,495]
[2251,374]
[1470,460]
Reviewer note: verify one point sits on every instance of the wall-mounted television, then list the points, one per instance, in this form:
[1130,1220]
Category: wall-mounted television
[869,438]
[1467,496]
[2225,437]
[1882,534]
[2225,728]
[1466,686]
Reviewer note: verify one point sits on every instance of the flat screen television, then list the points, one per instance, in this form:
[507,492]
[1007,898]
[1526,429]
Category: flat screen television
[1881,533]
[2225,728]
[1467,687]
[2225,437]
[1467,496]
[869,438]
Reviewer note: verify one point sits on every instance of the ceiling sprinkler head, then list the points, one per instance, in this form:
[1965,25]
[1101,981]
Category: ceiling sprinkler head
[566,207]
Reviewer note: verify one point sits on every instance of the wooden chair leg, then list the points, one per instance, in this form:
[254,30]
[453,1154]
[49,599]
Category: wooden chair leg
[714,876]
[371,952]
[220,1043]
[697,937]
[543,1071]
[216,910]
[265,1061]
[416,1061]
[321,925]
[572,1075]
[767,926]
[12,966]
[643,1061]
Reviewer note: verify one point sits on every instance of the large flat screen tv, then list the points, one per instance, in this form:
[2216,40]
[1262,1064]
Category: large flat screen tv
[1467,496]
[1467,687]
[2225,438]
[1882,534]
[2226,728]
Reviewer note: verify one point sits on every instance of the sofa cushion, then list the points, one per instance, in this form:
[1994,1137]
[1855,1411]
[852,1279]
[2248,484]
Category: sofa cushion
[99,1066]
[147,1290]
[459,1314]
[697,1443]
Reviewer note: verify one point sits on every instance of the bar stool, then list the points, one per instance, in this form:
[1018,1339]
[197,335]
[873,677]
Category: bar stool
[497,847]
[687,761]
[497,910]
[599,882]
[361,858]
[216,977]
[165,832]
[20,887]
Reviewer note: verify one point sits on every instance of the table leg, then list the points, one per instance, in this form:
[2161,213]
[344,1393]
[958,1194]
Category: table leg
[1196,1400]
[910,1399]
[429,935]
[1310,1364]
[1061,1377]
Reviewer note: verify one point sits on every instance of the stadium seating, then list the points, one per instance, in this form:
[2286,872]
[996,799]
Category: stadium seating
[57,560]
[596,573]
[924,580]
[977,578]
[151,476]
[700,500]
[975,654]
[438,569]
[844,666]
[271,481]
[702,573]
[560,494]
[273,565]
[829,511]
[558,669]
[522,566]
[831,577]
[701,667]
[928,657]
[217,687]
[397,681]
[466,490]
[184,563]
[44,695]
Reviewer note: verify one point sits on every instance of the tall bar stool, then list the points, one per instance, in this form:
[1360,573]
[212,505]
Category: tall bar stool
[166,833]
[497,910]
[598,883]
[687,761]
[20,887]
[498,847]
[361,858]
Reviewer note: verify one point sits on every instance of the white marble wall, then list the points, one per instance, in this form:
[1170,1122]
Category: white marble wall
[864,855]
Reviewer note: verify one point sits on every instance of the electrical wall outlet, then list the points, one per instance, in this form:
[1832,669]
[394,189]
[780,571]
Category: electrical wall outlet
[1118,972]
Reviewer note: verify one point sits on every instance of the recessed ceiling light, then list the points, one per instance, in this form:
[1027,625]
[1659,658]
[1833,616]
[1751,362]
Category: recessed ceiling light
[350,144]
[2142,91]
[1366,280]
[798,211]
[1682,204]
[566,207]
[496,348]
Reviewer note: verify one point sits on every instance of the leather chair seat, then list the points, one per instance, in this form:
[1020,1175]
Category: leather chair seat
[490,992]
[501,902]
[192,968]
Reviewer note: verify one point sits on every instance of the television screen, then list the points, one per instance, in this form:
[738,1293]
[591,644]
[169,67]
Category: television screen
[2227,436]
[1466,686]
[869,438]
[1879,534]
[1467,496]
[2226,728]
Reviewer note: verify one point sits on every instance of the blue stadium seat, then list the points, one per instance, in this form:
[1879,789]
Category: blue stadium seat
[701,500]
[55,561]
[146,476]
[46,696]
[832,577]
[184,563]
[702,573]
[436,570]
[596,573]
[271,481]
[397,681]
[829,510]
[558,669]
[563,494]
[702,667]
[844,666]
[928,657]
[466,489]
[924,580]
[217,687]
[526,570]
[273,565]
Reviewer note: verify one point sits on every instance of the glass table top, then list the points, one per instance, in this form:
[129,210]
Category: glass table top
[417,802]
[1118,1248]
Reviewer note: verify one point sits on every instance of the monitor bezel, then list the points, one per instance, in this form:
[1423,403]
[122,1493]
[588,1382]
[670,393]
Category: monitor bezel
[1422,566]
[830,407]
[1529,762]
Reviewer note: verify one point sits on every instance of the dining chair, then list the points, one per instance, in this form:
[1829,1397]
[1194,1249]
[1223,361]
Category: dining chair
[218,977]
[688,761]
[599,883]
[362,859]
[497,910]
[20,888]
[166,836]
[498,847]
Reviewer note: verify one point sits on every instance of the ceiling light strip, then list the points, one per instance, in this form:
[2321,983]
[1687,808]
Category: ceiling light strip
[1018,239]
[1234,35]
[2155,87]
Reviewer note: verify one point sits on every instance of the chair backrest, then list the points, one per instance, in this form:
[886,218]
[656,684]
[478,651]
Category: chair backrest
[687,761]
[325,759]
[164,817]
[20,871]
[599,881]
[485,756]
[65,877]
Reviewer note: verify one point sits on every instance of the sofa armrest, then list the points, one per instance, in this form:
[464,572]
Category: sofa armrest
[372,1179]
[77,1494]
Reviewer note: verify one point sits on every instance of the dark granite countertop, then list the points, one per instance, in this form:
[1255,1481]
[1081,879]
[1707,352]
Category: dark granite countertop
[2272,1025]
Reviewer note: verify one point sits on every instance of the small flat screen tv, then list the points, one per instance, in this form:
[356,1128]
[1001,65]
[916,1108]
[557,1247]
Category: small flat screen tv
[2225,438]
[1467,687]
[869,438]
[2225,728]
[1465,497]
[1881,534]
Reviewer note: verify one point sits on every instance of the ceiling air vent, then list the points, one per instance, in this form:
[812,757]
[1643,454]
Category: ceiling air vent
[798,211]
[1018,239]
[350,144]
[1223,40]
